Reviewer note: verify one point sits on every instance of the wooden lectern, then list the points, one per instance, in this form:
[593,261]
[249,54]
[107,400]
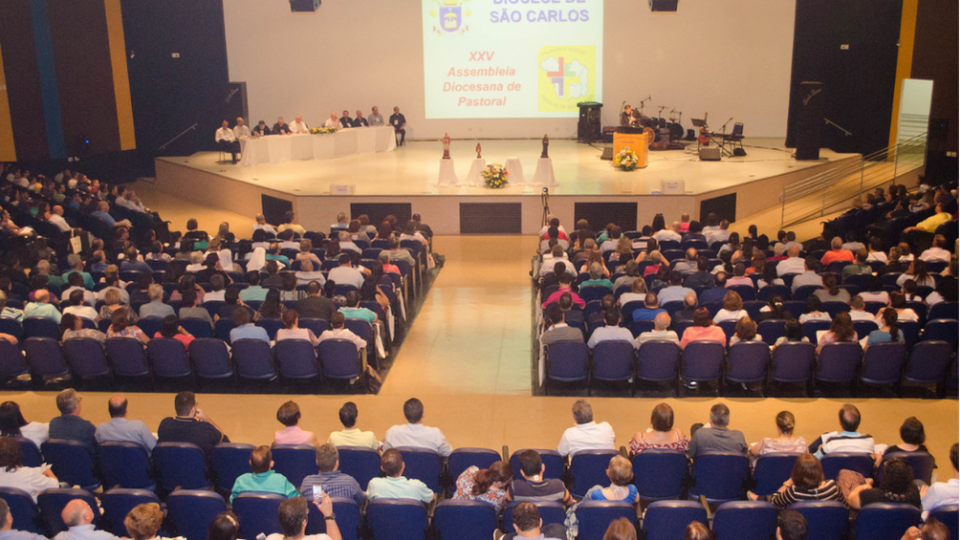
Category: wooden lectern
[636,142]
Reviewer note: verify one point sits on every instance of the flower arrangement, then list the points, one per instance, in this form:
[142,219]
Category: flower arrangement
[626,160]
[494,175]
[324,130]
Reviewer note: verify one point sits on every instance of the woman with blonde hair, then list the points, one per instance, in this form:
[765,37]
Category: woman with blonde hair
[657,260]
[622,488]
[143,522]
[698,531]
[785,441]
[306,254]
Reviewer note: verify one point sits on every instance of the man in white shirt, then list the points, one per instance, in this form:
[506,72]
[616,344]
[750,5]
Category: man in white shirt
[612,331]
[78,516]
[337,331]
[848,440]
[227,141]
[375,118]
[332,122]
[556,255]
[414,433]
[241,130]
[78,308]
[56,217]
[676,291]
[936,253]
[857,313]
[307,273]
[262,224]
[350,435]
[793,264]
[669,234]
[942,493]
[298,127]
[346,274]
[720,235]
[659,333]
[587,434]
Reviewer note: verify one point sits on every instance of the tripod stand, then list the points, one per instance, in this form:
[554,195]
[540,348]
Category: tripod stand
[545,200]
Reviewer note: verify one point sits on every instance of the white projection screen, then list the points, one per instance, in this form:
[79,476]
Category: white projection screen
[511,58]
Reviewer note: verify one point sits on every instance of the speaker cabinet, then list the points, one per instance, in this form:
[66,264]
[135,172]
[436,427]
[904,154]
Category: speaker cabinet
[809,120]
[304,5]
[709,154]
[663,5]
[588,128]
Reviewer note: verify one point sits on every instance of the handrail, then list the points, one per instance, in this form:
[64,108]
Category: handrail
[830,190]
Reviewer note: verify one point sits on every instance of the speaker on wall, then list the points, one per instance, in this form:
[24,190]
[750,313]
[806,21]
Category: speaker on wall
[663,5]
[304,5]
[809,120]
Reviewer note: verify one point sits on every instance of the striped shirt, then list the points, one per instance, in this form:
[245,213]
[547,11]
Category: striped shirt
[335,484]
[826,491]
[842,441]
[551,489]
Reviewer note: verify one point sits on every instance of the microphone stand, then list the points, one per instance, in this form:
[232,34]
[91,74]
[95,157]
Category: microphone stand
[182,133]
[723,137]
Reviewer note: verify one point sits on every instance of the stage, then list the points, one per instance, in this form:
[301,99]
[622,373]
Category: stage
[409,175]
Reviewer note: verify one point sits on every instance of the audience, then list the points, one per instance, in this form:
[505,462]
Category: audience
[716,436]
[414,433]
[263,479]
[289,415]
[806,483]
[661,435]
[190,425]
[846,440]
[587,434]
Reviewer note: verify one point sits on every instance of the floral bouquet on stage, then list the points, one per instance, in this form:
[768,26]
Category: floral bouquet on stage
[323,130]
[626,160]
[494,175]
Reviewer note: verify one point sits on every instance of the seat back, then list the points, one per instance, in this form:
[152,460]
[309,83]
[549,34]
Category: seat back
[658,361]
[191,512]
[659,474]
[810,329]
[946,514]
[360,462]
[222,328]
[50,502]
[44,357]
[922,464]
[640,327]
[118,502]
[747,361]
[771,471]
[271,326]
[886,521]
[883,362]
[668,520]
[31,454]
[944,310]
[296,358]
[424,465]
[745,520]
[826,520]
[71,462]
[397,519]
[12,364]
[834,463]
[26,516]
[229,461]
[317,326]
[941,330]
[613,361]
[464,520]
[11,326]
[180,465]
[258,513]
[253,359]
[339,359]
[719,476]
[199,328]
[589,468]
[929,361]
[168,357]
[595,517]
[127,357]
[211,358]
[567,361]
[40,327]
[295,461]
[793,362]
[125,465]
[463,458]
[550,512]
[839,362]
[552,462]
[86,357]
[702,361]
[348,519]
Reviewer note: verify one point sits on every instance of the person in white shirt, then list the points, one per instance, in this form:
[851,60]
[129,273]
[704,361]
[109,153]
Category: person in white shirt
[78,308]
[241,130]
[264,226]
[612,331]
[298,126]
[659,333]
[720,235]
[793,264]
[333,121]
[375,118]
[876,251]
[56,217]
[669,234]
[557,255]
[337,331]
[346,274]
[676,291]
[227,141]
[414,433]
[350,435]
[809,275]
[936,253]
[813,312]
[942,493]
[587,434]
[306,274]
[857,313]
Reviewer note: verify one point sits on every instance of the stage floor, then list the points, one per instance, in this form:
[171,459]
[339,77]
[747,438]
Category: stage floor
[413,169]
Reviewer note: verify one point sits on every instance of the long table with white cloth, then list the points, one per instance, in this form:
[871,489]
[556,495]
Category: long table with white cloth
[282,148]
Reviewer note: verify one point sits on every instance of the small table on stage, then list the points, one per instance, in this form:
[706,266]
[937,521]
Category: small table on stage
[634,141]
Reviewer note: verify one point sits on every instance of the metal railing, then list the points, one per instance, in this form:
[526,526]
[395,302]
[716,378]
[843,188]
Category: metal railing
[835,189]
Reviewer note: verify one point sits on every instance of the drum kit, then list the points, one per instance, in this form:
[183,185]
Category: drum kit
[668,132]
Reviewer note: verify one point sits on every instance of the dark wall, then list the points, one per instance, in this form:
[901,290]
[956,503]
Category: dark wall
[859,81]
[171,94]
[935,58]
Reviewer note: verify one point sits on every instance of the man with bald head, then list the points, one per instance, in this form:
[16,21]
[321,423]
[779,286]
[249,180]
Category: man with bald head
[41,307]
[659,333]
[359,120]
[793,264]
[672,233]
[689,264]
[78,516]
[56,217]
[298,126]
[119,429]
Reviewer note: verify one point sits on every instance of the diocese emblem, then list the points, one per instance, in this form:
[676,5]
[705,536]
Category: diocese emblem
[450,16]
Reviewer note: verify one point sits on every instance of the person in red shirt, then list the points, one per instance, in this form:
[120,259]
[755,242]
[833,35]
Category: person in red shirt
[836,253]
[170,328]
[566,284]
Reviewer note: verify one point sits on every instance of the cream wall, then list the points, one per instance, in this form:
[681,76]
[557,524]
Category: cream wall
[730,58]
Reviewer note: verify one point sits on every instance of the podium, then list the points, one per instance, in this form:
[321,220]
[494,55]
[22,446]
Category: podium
[636,142]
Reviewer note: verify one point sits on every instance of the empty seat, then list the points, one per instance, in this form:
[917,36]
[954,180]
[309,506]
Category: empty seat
[191,512]
[180,466]
[360,462]
[465,520]
[295,461]
[594,517]
[229,461]
[397,519]
[71,462]
[886,521]
[258,513]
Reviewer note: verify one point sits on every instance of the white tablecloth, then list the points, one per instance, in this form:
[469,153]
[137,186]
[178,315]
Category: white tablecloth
[281,148]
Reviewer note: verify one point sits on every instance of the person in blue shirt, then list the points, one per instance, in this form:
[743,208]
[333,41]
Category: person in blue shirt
[888,332]
[353,310]
[263,478]
[102,213]
[620,473]
[245,329]
[649,310]
[718,291]
[254,292]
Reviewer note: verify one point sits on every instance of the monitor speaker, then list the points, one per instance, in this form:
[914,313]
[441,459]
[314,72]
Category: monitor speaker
[709,154]
[304,5]
[663,5]
[809,120]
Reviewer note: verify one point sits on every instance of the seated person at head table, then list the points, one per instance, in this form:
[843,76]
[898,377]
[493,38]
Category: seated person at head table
[298,126]
[333,121]
[262,129]
[360,121]
[280,127]
[227,141]
[345,120]
[242,130]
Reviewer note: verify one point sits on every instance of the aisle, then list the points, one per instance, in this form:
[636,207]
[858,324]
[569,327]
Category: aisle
[472,335]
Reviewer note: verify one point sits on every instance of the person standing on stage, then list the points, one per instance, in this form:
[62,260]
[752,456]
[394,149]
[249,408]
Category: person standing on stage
[298,126]
[242,130]
[626,117]
[398,122]
[360,121]
[227,141]
[281,127]
[262,128]
[333,121]
[376,119]
[345,120]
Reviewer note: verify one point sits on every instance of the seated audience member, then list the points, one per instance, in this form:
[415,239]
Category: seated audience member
[912,437]
[700,278]
[309,272]
[333,482]
[597,278]
[414,433]
[945,210]
[793,333]
[895,486]
[785,441]
[732,308]
[218,292]
[41,307]
[898,302]
[650,310]
[676,291]
[812,311]
[860,266]
[936,253]
[533,486]
[291,330]
[719,290]
[587,434]
[78,517]
[566,287]
[791,525]
[942,493]
[78,308]
[191,308]
[353,310]
[528,525]
[932,530]
[72,328]
[809,276]
[13,424]
[841,330]
[69,425]
[889,330]
[690,306]
[612,331]
[190,425]
[846,440]
[231,303]
[703,329]
[806,483]
[746,331]
[272,307]
[315,305]
[273,279]
[9,312]
[558,329]
[836,253]
[7,532]
[351,435]
[120,429]
[622,488]
[263,479]
[254,292]
[13,474]
[739,276]
[917,271]
[289,415]
[688,264]
[243,328]
[143,522]
[120,326]
[874,291]
[793,264]
[141,294]
[698,531]
[156,308]
[857,311]
[337,331]
[831,291]
[661,435]
[292,516]
[659,333]
[486,485]
[394,485]
[716,436]
[346,274]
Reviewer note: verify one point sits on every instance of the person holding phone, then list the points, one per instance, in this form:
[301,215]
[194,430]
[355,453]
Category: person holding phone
[293,514]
